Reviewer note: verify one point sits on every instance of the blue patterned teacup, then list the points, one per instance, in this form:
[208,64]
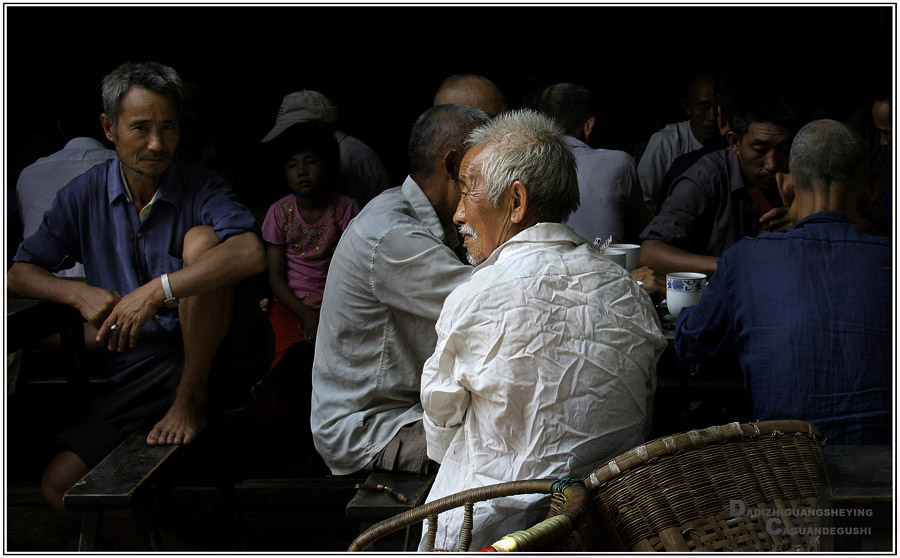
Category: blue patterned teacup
[683,289]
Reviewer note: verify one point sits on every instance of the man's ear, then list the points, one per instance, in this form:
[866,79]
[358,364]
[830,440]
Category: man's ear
[451,162]
[734,141]
[721,121]
[108,129]
[686,106]
[588,128]
[785,187]
[518,197]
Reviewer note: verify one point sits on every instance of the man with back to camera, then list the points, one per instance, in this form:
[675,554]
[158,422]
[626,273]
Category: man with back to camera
[165,247]
[545,363]
[611,202]
[727,194]
[389,276]
[808,312]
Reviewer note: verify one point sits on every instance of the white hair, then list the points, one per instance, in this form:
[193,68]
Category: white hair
[528,146]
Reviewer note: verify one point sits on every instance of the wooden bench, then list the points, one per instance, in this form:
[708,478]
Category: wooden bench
[371,505]
[122,481]
[119,482]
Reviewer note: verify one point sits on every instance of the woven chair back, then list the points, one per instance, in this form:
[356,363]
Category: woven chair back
[739,487]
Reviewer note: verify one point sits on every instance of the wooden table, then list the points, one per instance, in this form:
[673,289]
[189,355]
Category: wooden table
[859,488]
[687,398]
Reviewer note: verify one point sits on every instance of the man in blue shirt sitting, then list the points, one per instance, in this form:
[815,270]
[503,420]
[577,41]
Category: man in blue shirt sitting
[808,312]
[166,248]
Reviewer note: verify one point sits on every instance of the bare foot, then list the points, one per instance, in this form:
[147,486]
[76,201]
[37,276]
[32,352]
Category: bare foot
[183,422]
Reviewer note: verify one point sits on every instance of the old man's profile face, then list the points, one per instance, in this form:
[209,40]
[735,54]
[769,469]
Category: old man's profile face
[482,226]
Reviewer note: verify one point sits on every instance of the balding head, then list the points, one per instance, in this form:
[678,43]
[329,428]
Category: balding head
[829,171]
[827,154]
[473,91]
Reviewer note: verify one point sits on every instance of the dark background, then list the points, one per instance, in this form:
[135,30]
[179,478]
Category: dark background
[381,65]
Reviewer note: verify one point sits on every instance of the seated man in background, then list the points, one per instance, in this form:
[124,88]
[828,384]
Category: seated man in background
[611,201]
[725,95]
[682,137]
[165,247]
[727,194]
[545,363]
[390,273]
[808,313]
[473,91]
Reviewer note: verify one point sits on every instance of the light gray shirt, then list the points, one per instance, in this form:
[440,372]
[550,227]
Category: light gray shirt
[40,181]
[611,200]
[391,271]
[362,175]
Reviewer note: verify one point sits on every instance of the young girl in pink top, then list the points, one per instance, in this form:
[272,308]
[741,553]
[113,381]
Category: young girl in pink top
[301,231]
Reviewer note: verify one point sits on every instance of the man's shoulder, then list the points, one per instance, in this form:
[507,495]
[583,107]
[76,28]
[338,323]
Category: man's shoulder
[387,212]
[712,167]
[356,147]
[609,157]
[671,132]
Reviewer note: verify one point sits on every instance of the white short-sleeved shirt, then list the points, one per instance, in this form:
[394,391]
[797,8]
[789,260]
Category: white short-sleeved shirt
[545,366]
[663,148]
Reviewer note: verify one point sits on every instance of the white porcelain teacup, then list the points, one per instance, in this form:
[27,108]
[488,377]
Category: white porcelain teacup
[632,255]
[617,256]
[683,289]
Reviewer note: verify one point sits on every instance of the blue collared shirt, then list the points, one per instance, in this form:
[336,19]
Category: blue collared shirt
[92,222]
[808,313]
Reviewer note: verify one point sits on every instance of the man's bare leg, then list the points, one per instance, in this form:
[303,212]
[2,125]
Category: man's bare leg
[64,470]
[205,319]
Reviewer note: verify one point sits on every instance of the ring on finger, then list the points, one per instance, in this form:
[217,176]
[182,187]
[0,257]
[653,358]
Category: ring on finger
[114,327]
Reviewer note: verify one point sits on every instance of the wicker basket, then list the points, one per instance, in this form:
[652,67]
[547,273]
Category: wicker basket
[739,487]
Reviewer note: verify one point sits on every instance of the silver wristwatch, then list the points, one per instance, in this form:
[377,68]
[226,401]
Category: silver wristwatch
[171,301]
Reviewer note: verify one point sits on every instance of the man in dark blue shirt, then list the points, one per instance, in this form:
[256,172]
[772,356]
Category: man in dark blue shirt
[808,312]
[165,248]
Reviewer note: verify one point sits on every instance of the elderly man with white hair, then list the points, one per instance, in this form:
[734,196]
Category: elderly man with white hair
[545,363]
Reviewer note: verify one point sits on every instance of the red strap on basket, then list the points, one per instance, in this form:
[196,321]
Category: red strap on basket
[488,548]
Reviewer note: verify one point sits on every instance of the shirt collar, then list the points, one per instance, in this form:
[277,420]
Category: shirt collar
[426,213]
[542,232]
[572,141]
[823,217]
[735,174]
[168,191]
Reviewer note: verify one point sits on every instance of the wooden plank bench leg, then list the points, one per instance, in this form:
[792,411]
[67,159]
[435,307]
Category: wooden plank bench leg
[144,523]
[90,530]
